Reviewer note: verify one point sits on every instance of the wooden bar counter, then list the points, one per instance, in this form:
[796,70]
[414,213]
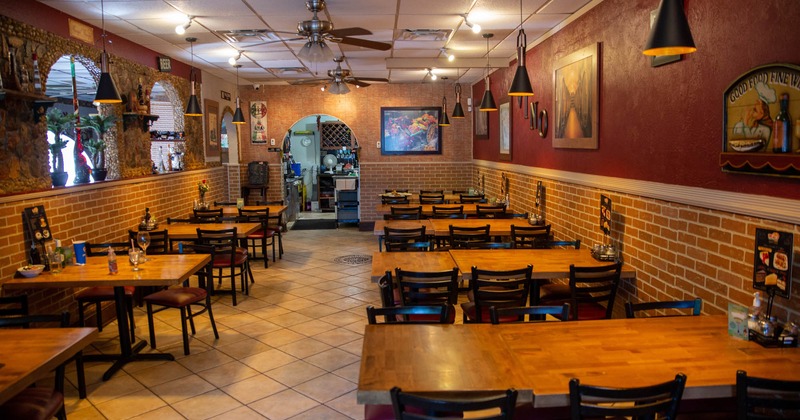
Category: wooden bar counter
[539,359]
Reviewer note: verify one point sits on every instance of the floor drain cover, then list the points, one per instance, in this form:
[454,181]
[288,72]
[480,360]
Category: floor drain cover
[353,259]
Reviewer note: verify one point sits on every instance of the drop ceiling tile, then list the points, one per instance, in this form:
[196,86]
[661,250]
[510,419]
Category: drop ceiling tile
[565,6]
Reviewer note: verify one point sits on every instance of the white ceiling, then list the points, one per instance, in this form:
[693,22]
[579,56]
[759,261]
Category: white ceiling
[151,23]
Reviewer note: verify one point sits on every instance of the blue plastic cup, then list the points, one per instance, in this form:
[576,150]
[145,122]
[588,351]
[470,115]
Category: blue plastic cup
[80,252]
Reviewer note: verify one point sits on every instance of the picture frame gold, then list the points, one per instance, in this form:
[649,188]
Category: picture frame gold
[212,128]
[576,99]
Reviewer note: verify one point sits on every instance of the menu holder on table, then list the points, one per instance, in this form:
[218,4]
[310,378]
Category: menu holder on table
[777,341]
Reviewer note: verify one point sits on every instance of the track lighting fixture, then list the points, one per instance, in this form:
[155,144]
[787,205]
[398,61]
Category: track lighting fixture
[431,74]
[476,29]
[446,53]
[181,29]
[232,61]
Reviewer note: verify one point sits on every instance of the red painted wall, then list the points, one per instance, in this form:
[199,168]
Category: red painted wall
[661,124]
[49,19]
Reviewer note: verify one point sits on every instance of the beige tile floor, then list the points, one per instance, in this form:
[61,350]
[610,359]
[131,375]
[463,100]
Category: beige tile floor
[289,350]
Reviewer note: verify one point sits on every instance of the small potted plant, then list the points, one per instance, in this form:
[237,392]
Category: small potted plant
[59,122]
[96,146]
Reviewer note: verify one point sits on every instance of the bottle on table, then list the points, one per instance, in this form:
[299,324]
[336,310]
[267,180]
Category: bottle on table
[754,314]
[60,252]
[113,268]
[782,128]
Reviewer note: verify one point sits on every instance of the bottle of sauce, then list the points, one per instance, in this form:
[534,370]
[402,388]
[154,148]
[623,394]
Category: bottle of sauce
[782,128]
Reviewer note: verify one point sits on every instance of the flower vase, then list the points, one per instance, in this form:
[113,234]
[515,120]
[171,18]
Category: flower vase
[202,205]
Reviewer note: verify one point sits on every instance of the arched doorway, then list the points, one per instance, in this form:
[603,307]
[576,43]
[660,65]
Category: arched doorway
[167,142]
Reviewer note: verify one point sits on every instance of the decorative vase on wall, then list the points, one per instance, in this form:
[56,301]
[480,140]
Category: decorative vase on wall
[99,174]
[59,178]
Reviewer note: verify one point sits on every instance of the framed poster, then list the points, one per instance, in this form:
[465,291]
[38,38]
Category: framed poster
[605,215]
[772,262]
[411,131]
[212,128]
[576,99]
[505,131]
[481,124]
[258,122]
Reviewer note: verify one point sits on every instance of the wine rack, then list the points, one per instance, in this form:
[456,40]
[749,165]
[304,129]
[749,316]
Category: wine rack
[334,135]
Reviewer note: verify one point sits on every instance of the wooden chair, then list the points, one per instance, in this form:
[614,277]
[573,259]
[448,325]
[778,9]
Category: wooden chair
[696,305]
[587,401]
[463,236]
[459,192]
[184,297]
[160,244]
[407,210]
[262,237]
[394,200]
[439,211]
[413,216]
[277,223]
[388,291]
[535,313]
[593,290]
[37,403]
[96,295]
[418,407]
[395,191]
[450,216]
[420,246]
[226,257]
[431,198]
[530,236]
[410,314]
[207,216]
[17,307]
[471,199]
[428,288]
[765,398]
[490,245]
[551,290]
[490,211]
[431,192]
[506,288]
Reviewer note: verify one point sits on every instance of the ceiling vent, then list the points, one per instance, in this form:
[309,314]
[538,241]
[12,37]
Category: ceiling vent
[287,70]
[425,34]
[235,36]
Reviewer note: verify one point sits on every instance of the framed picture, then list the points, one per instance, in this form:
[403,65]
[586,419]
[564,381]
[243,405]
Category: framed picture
[505,131]
[772,262]
[212,128]
[411,131]
[258,122]
[481,124]
[575,87]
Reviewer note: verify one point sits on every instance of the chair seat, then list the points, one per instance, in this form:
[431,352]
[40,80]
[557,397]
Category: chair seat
[101,293]
[34,404]
[386,412]
[222,261]
[451,317]
[181,296]
[470,309]
[261,233]
[586,311]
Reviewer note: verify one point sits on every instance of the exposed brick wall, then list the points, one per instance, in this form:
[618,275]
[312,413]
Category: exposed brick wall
[678,251]
[99,212]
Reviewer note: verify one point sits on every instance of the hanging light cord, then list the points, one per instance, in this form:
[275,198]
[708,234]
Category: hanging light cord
[458,91]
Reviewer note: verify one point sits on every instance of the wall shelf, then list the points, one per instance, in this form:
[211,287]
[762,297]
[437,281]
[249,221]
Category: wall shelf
[39,103]
[787,164]
[142,121]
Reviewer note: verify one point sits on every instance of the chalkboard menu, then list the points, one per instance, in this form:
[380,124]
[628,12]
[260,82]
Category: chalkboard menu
[772,267]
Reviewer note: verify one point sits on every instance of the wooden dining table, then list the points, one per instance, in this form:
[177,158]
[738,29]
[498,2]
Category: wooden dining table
[159,270]
[378,231]
[188,231]
[539,359]
[427,209]
[497,227]
[411,261]
[30,354]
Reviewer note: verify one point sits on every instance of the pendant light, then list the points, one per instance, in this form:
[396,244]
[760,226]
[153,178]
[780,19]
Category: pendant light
[458,111]
[521,86]
[444,121]
[106,89]
[670,34]
[487,103]
[238,117]
[193,107]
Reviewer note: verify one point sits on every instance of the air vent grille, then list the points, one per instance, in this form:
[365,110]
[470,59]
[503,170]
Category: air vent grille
[424,34]
[248,35]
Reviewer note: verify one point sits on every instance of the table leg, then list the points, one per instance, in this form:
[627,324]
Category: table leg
[380,243]
[128,352]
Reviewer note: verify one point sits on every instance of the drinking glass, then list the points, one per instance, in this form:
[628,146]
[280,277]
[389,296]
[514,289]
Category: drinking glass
[143,239]
[134,256]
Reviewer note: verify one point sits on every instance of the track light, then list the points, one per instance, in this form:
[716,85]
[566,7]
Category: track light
[446,53]
[181,29]
[232,61]
[670,34]
[476,29]
[431,74]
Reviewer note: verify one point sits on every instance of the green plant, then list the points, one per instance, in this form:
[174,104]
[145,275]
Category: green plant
[59,122]
[96,146]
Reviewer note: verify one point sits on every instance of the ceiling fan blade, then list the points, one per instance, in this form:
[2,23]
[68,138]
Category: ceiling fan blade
[339,33]
[373,79]
[364,43]
[309,82]
[357,82]
[244,47]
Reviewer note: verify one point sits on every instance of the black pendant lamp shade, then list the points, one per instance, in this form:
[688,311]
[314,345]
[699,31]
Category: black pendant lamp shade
[487,103]
[444,121]
[458,111]
[193,107]
[238,117]
[521,85]
[107,92]
[670,34]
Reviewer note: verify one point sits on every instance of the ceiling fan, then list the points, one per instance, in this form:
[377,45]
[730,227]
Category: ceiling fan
[339,78]
[317,32]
